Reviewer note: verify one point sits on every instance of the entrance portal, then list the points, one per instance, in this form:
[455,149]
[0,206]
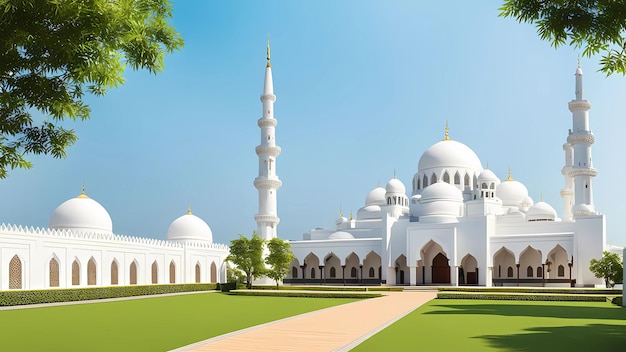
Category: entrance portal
[441,269]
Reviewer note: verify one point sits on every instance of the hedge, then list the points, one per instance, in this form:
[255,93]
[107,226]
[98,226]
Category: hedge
[527,297]
[617,300]
[304,293]
[571,291]
[329,288]
[23,297]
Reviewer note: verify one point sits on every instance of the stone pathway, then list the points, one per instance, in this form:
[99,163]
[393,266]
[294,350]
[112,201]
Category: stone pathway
[339,328]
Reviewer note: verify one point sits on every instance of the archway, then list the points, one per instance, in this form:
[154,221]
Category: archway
[441,269]
[371,263]
[15,273]
[529,258]
[133,273]
[556,263]
[433,264]
[332,268]
[213,272]
[469,266]
[352,268]
[114,272]
[503,264]
[311,264]
[54,272]
[402,270]
[91,271]
[155,272]
[172,272]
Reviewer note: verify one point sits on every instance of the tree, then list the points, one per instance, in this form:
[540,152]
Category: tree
[610,267]
[247,255]
[279,259]
[53,52]
[234,275]
[595,25]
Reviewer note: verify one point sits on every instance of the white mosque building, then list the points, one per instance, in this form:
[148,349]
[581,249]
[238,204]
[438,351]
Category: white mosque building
[79,249]
[462,225]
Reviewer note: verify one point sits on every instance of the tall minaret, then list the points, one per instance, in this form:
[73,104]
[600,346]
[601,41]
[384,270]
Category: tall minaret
[578,164]
[267,183]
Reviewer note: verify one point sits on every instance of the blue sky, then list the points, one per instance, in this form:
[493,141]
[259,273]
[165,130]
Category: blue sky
[363,88]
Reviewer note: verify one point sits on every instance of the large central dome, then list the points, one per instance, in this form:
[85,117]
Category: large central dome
[449,154]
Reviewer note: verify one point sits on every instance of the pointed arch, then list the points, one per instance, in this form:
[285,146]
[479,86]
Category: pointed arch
[435,263]
[154,269]
[91,271]
[295,266]
[475,179]
[197,272]
[15,273]
[114,272]
[557,258]
[53,272]
[446,177]
[503,260]
[457,178]
[561,271]
[133,272]
[425,182]
[469,272]
[172,272]
[371,263]
[332,263]
[433,179]
[466,181]
[419,183]
[312,263]
[402,270]
[75,272]
[213,272]
[530,258]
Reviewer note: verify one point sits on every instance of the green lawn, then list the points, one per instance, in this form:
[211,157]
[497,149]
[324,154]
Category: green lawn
[152,324]
[468,325]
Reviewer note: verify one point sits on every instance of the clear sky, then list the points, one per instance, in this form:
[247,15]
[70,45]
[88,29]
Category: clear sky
[363,88]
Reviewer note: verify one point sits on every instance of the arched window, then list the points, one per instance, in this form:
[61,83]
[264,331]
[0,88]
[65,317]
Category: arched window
[133,273]
[561,271]
[54,273]
[114,274]
[457,179]
[312,273]
[539,271]
[75,273]
[475,181]
[419,183]
[15,273]
[91,272]
[294,272]
[509,272]
[466,181]
[446,177]
[213,272]
[433,179]
[483,185]
[388,200]
[333,272]
[425,182]
[529,271]
[197,272]
[492,185]
[372,272]
[353,272]
[172,272]
[155,273]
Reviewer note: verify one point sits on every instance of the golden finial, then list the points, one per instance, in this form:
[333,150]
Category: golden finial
[578,60]
[350,216]
[340,211]
[188,208]
[447,138]
[509,178]
[268,51]
[82,193]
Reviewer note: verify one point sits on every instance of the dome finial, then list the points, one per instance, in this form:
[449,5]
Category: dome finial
[268,51]
[578,60]
[350,216]
[509,178]
[340,211]
[447,137]
[188,208]
[394,173]
[541,197]
[487,165]
[82,193]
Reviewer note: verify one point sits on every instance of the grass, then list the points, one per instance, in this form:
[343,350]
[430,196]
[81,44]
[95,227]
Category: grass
[461,325]
[152,324]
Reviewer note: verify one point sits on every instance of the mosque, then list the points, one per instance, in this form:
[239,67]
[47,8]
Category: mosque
[461,225]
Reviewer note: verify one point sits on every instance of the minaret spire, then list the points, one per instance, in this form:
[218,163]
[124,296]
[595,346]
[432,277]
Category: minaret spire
[267,183]
[447,134]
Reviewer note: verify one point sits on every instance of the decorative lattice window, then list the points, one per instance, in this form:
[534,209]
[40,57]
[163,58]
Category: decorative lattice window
[213,272]
[114,273]
[172,273]
[15,273]
[155,273]
[54,273]
[75,273]
[198,272]
[91,272]
[133,273]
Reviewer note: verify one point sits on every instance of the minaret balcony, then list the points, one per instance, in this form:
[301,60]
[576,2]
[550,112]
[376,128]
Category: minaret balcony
[268,97]
[263,122]
[267,150]
[273,220]
[576,171]
[579,105]
[267,183]
[567,192]
[581,137]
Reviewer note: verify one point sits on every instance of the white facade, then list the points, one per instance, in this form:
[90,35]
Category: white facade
[462,225]
[79,249]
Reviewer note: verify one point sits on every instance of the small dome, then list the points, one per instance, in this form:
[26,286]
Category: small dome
[583,210]
[541,211]
[81,214]
[449,154]
[189,228]
[376,197]
[511,192]
[441,191]
[369,212]
[488,175]
[340,235]
[395,186]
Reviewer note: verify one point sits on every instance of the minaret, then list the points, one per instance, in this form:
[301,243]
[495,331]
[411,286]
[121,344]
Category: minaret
[578,170]
[267,183]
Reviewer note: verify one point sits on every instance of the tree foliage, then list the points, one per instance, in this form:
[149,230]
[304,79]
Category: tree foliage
[610,267]
[596,26]
[278,259]
[52,52]
[247,255]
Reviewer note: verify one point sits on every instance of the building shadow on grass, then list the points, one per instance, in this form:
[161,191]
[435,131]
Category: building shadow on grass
[531,310]
[593,337]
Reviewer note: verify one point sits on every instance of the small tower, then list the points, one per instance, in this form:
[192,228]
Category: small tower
[267,183]
[578,164]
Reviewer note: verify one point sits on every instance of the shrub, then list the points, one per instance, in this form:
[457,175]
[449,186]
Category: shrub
[617,300]
[305,293]
[526,297]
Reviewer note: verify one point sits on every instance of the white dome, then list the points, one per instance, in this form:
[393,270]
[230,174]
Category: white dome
[449,154]
[340,235]
[512,193]
[369,212]
[487,175]
[583,210]
[527,203]
[395,186]
[441,191]
[376,197]
[189,228]
[541,211]
[81,214]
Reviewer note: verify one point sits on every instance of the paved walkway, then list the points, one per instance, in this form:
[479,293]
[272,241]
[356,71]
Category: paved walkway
[339,328]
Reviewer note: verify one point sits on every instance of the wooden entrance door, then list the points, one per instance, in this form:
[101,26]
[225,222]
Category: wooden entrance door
[441,269]
[472,278]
